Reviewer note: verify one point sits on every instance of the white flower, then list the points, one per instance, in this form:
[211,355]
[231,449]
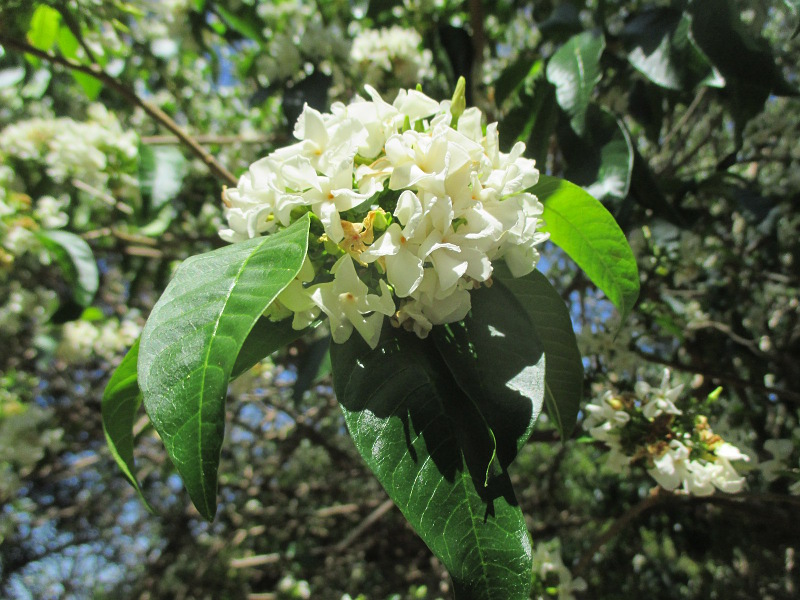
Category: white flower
[661,400]
[605,418]
[393,53]
[547,561]
[346,300]
[670,469]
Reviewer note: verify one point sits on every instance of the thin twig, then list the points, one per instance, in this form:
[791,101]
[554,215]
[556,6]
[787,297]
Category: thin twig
[219,140]
[368,522]
[104,196]
[151,109]
[685,117]
[723,377]
[75,29]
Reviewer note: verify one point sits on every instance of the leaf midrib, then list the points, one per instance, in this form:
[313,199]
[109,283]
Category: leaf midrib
[205,362]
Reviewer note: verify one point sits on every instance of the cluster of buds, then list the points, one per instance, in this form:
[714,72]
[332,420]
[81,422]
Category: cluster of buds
[677,447]
[410,204]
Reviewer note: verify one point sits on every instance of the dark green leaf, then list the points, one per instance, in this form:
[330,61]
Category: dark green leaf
[721,35]
[660,47]
[602,160]
[574,70]
[429,446]
[587,232]
[498,361]
[161,173]
[121,402]
[265,338]
[43,31]
[549,316]
[245,22]
[191,341]
[315,365]
[513,76]
[75,258]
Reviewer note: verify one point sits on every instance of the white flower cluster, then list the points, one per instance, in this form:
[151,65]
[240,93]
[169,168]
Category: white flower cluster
[82,340]
[90,151]
[297,41]
[408,196]
[552,572]
[643,428]
[391,55]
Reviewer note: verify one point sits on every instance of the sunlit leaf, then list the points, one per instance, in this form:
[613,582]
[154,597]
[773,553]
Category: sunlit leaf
[121,402]
[192,338]
[43,30]
[590,236]
[574,70]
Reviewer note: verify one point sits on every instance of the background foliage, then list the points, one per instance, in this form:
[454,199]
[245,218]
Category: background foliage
[680,116]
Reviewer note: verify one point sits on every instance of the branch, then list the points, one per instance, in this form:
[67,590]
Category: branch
[616,527]
[219,140]
[151,109]
[660,496]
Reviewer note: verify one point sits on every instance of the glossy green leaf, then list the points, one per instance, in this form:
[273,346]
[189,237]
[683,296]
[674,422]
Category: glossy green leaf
[191,341]
[660,47]
[574,70]
[549,316]
[43,30]
[121,402]
[601,161]
[428,445]
[498,361]
[74,256]
[587,232]
[161,173]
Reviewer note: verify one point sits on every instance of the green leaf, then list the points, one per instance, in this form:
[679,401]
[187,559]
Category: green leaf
[721,35]
[574,70]
[161,173]
[514,76]
[191,341]
[121,402]
[587,232]
[498,361]
[91,86]
[428,445]
[67,43]
[315,365]
[43,30]
[246,22]
[660,47]
[265,338]
[74,256]
[602,160]
[549,316]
